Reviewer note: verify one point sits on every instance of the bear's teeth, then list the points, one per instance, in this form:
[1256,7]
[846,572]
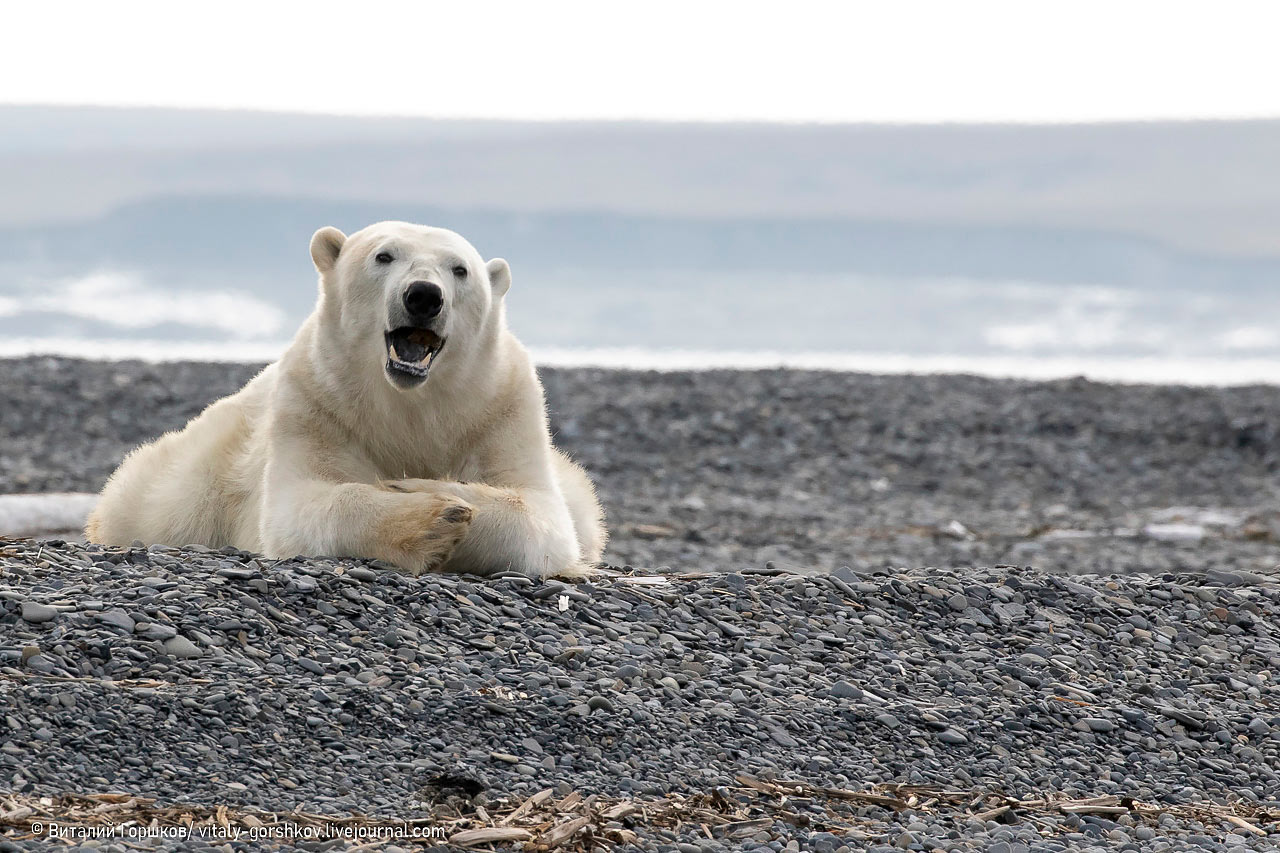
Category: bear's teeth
[426,359]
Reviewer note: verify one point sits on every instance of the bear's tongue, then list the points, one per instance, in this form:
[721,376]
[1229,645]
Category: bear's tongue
[409,351]
[412,346]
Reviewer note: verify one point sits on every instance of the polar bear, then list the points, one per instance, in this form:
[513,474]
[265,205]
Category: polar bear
[404,422]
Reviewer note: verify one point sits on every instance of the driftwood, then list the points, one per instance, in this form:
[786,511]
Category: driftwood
[575,822]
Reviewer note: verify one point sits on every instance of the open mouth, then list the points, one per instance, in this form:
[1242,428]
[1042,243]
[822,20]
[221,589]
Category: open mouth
[410,352]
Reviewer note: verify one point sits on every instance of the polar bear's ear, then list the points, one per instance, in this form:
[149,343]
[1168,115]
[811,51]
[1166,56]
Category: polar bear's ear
[499,276]
[325,246]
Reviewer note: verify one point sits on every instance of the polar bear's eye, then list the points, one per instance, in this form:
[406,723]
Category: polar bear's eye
[460,271]
[383,257]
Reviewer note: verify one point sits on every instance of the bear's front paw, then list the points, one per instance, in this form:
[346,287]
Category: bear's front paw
[421,537]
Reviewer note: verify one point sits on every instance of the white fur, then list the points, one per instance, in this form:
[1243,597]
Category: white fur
[321,454]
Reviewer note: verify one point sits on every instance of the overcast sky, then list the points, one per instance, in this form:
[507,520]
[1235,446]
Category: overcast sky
[887,60]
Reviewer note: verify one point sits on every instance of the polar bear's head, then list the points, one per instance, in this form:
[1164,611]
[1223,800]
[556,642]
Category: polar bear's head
[408,296]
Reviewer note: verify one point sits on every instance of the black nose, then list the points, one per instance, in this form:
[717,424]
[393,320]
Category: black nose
[423,300]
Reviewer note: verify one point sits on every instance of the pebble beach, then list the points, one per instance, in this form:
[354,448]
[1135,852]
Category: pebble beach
[839,612]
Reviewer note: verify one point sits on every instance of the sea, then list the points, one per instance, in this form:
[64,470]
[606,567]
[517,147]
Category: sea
[231,279]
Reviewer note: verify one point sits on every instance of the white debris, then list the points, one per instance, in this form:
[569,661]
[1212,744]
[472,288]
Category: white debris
[956,530]
[644,580]
[694,502]
[1207,516]
[1174,532]
[1068,534]
[42,514]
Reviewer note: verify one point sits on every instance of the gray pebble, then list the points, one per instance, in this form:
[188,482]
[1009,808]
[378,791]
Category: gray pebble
[35,612]
[181,647]
[845,690]
[116,618]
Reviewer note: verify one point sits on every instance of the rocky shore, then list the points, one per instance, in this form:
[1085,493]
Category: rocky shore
[722,470]
[1092,664]
[913,709]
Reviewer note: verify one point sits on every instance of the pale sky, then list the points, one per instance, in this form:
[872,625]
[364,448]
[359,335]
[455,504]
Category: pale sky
[787,60]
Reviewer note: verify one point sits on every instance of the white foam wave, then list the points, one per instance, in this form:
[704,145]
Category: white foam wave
[144,349]
[1140,370]
[1172,371]
[125,301]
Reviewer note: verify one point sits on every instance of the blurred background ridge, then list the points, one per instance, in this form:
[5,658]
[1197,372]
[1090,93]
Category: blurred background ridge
[185,231]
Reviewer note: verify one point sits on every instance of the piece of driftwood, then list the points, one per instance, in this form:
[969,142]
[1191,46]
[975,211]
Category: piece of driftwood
[489,835]
[578,823]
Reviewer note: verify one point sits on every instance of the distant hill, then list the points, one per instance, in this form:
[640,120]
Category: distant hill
[1210,188]
[268,236]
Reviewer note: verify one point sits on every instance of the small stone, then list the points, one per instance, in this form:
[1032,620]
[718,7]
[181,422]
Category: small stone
[783,739]
[40,663]
[236,573]
[310,666]
[888,721]
[116,618]
[958,602]
[1181,716]
[845,690]
[33,611]
[1009,612]
[156,631]
[181,647]
[953,737]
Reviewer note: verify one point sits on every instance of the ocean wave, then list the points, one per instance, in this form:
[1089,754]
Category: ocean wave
[1143,370]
